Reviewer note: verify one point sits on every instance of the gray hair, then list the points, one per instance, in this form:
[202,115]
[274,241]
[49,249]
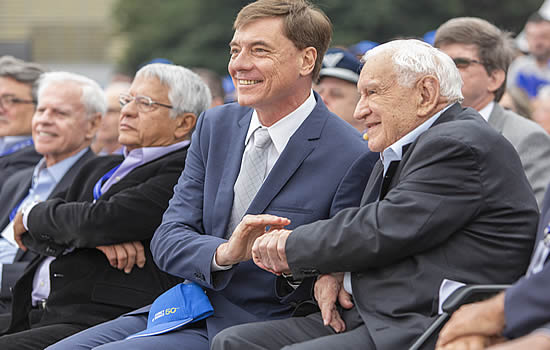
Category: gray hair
[21,71]
[93,97]
[413,59]
[187,92]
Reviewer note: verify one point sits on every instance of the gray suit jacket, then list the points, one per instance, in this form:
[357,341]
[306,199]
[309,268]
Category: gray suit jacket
[15,189]
[531,142]
[458,207]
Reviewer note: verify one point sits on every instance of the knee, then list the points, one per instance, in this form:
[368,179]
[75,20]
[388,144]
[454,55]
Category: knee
[228,339]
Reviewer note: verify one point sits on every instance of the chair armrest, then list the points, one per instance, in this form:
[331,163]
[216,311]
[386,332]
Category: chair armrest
[470,294]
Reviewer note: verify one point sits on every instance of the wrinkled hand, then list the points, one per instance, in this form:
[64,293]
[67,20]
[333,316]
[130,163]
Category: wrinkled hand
[327,289]
[19,230]
[124,256]
[484,318]
[533,341]
[239,246]
[269,252]
[470,342]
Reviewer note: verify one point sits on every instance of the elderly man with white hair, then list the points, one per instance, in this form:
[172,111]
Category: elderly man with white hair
[448,203]
[114,204]
[64,144]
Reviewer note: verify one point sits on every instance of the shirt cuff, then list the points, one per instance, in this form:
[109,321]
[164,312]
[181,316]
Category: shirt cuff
[215,267]
[26,212]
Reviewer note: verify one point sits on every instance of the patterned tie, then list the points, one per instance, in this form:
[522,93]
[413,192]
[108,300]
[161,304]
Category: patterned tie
[252,175]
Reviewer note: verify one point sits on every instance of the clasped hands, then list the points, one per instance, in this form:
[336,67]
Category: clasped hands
[123,256]
[258,237]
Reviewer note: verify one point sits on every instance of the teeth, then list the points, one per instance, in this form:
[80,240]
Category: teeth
[248,82]
[44,133]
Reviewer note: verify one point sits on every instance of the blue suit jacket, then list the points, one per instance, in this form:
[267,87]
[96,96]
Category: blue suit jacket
[323,169]
[527,302]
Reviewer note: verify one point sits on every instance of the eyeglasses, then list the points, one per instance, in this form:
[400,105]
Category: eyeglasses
[144,103]
[8,101]
[463,62]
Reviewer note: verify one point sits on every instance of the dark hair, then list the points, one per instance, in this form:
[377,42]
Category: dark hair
[495,48]
[304,24]
[21,71]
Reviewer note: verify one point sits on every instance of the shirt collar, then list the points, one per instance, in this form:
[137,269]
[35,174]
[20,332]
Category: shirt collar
[58,170]
[146,154]
[395,151]
[487,110]
[282,131]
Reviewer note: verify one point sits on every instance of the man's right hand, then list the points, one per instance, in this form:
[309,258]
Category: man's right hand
[125,256]
[327,289]
[239,246]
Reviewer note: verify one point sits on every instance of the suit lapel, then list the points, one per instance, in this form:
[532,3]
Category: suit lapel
[224,197]
[496,118]
[372,190]
[300,145]
[69,176]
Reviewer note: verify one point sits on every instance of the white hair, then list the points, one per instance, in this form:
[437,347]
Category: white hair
[93,98]
[187,92]
[413,59]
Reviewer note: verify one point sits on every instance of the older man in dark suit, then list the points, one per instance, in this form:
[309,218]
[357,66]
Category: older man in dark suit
[64,146]
[448,202]
[112,201]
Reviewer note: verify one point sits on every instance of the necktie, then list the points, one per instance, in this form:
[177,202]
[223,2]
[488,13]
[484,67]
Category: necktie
[252,175]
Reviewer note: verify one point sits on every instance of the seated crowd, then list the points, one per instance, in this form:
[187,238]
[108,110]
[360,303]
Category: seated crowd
[335,205]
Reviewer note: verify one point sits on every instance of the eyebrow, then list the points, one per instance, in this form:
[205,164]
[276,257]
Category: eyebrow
[253,43]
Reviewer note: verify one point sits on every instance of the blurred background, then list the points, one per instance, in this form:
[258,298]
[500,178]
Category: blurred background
[105,38]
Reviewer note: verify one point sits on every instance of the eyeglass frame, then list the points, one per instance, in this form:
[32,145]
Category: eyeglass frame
[466,62]
[13,101]
[149,102]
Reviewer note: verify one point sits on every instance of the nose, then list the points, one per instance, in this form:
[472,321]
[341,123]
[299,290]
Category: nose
[128,110]
[239,61]
[44,116]
[362,110]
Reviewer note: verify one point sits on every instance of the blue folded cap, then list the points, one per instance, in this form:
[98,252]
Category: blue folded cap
[178,306]
[342,64]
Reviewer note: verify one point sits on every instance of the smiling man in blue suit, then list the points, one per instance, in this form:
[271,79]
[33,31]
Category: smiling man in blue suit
[310,165]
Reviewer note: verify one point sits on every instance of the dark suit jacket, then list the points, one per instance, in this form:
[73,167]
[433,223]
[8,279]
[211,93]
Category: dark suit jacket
[527,303]
[531,142]
[458,207]
[322,170]
[15,190]
[85,289]
[23,158]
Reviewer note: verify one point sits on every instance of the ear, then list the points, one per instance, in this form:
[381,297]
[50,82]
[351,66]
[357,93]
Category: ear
[184,125]
[93,124]
[496,79]
[428,95]
[309,56]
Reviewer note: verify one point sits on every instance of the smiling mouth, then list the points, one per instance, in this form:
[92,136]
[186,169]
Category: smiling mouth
[45,133]
[248,82]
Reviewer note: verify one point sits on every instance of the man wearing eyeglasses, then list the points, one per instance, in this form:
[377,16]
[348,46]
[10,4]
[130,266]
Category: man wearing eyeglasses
[111,209]
[17,104]
[482,53]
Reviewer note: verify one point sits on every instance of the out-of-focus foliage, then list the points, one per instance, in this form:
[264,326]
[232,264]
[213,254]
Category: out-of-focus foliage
[197,32]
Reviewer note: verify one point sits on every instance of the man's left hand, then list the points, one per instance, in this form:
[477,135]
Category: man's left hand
[18,230]
[268,251]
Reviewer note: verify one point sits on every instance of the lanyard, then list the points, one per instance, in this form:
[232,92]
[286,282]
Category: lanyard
[541,253]
[16,147]
[100,182]
[14,211]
